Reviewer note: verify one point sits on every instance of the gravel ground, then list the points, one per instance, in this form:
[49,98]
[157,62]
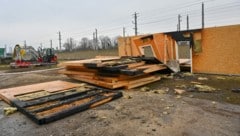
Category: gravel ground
[139,112]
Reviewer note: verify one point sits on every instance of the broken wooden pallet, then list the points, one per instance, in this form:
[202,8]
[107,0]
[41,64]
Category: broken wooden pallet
[114,73]
[47,102]
[9,94]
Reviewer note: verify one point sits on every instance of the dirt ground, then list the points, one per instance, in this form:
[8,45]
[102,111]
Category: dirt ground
[156,110]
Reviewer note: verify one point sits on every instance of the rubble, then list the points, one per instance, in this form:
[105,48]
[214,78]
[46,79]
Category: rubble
[170,105]
[221,78]
[179,91]
[237,90]
[165,113]
[205,88]
[127,97]
[145,89]
[202,78]
[181,86]
[193,82]
[159,91]
[213,102]
[162,90]
[191,96]
[9,110]
[188,74]
[178,97]
[167,108]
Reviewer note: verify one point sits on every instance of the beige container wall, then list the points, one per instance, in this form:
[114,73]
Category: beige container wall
[220,51]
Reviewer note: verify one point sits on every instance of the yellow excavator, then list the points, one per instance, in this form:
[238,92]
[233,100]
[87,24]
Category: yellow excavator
[27,56]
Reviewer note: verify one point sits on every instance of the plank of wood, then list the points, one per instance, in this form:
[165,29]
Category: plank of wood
[142,81]
[81,62]
[149,66]
[113,63]
[131,72]
[100,83]
[134,65]
[70,67]
[97,57]
[154,68]
[69,72]
[33,95]
[80,68]
[126,78]
[107,79]
[9,94]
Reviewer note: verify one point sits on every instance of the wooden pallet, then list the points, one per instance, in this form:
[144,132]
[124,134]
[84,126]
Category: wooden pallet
[9,94]
[126,72]
[47,102]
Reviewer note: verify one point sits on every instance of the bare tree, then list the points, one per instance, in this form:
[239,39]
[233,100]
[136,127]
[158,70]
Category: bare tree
[70,44]
[115,41]
[106,42]
[84,43]
[90,44]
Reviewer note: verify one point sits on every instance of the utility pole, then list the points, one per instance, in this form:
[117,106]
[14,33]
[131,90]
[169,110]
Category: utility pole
[187,22]
[5,52]
[179,22]
[51,44]
[93,36]
[25,44]
[10,49]
[124,31]
[41,46]
[135,15]
[93,41]
[71,44]
[96,34]
[202,15]
[60,40]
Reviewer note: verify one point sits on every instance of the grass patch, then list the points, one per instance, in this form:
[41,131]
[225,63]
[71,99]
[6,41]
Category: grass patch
[4,67]
[86,54]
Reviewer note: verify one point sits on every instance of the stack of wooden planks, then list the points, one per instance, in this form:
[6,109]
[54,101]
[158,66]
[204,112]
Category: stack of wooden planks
[114,72]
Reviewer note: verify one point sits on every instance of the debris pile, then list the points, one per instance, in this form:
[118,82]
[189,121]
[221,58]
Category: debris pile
[114,72]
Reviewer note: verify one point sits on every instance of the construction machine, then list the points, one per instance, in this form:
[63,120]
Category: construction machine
[28,57]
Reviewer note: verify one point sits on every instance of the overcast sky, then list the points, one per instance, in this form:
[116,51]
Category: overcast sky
[38,21]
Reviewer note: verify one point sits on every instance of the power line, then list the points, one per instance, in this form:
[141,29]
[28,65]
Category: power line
[190,12]
[195,13]
[183,6]
[163,20]
[50,43]
[157,21]
[208,11]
